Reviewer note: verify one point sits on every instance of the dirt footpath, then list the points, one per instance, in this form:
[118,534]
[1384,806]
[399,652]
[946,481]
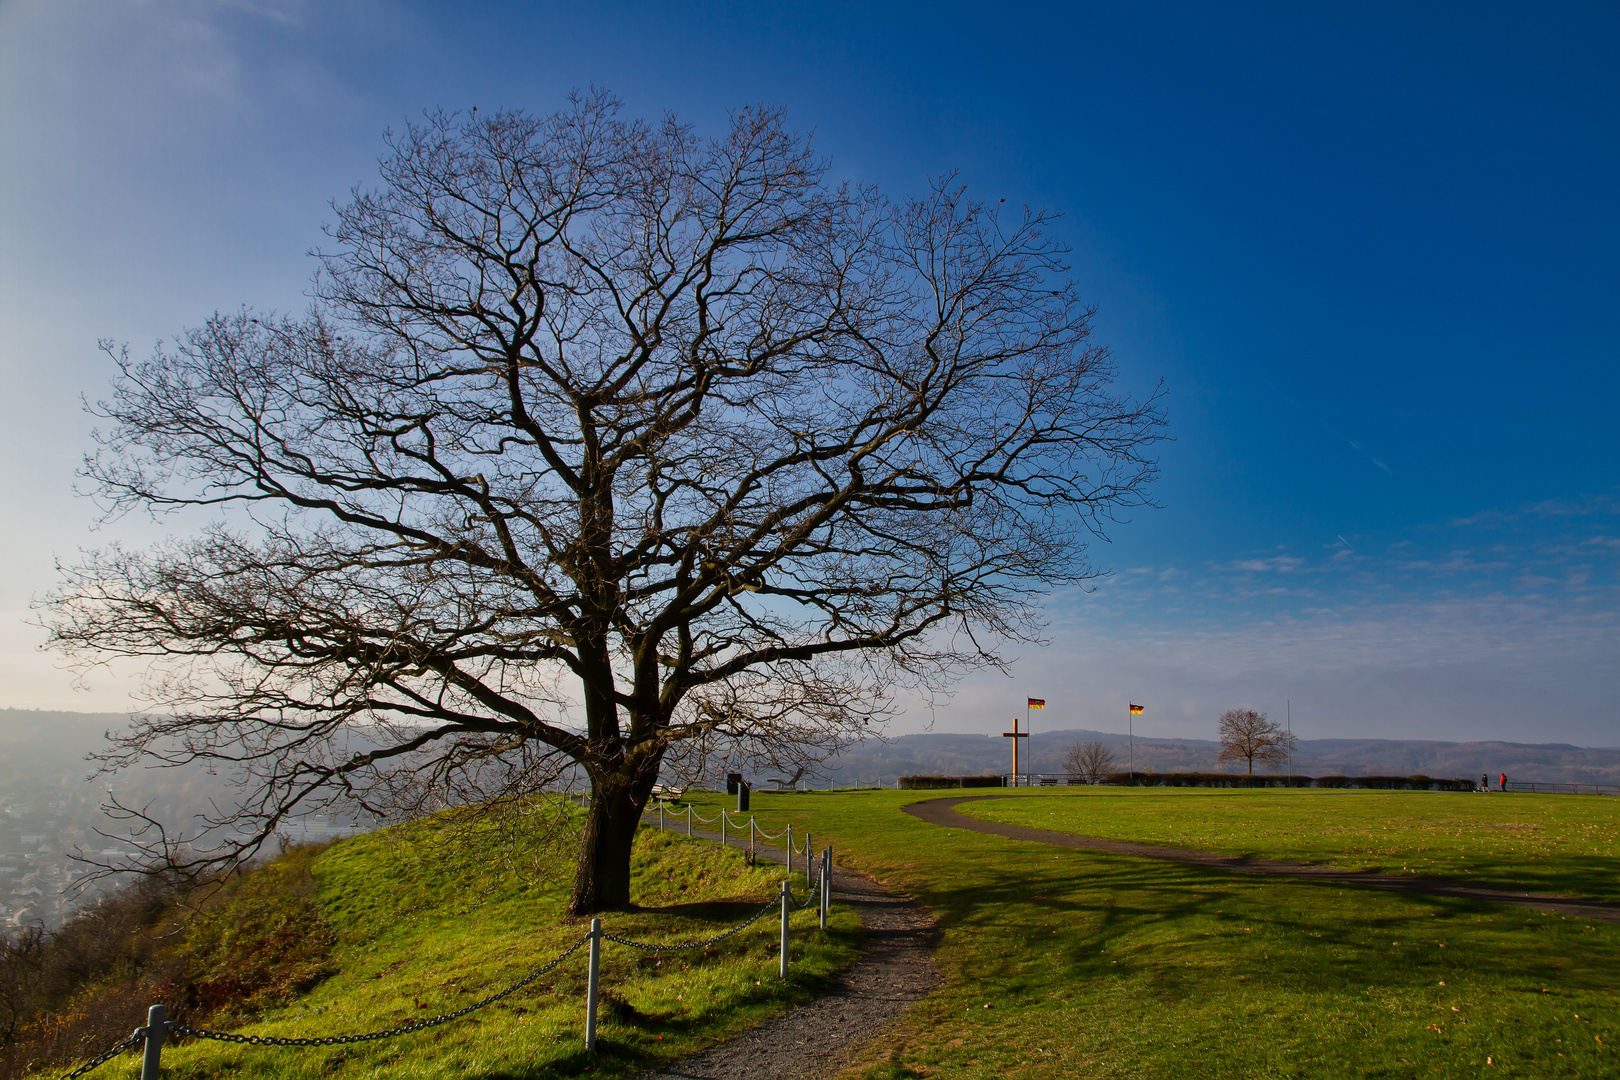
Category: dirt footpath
[815,1039]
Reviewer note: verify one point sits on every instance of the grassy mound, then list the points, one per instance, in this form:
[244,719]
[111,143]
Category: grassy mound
[423,919]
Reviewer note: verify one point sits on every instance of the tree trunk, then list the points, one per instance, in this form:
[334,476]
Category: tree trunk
[602,879]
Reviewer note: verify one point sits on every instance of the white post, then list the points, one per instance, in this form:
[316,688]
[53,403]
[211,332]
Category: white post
[660,815]
[592,981]
[151,1060]
[722,826]
[787,895]
[689,820]
[790,849]
[808,862]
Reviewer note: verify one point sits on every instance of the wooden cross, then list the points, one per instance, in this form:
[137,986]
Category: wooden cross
[1015,735]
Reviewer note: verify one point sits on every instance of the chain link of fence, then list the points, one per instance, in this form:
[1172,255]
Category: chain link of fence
[107,1055]
[397,1029]
[653,946]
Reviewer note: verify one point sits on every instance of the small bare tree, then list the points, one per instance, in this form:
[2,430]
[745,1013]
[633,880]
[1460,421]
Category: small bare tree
[604,445]
[1090,761]
[1248,736]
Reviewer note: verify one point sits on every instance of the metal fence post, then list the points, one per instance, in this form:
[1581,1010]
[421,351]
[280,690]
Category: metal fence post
[809,863]
[790,848]
[829,879]
[787,896]
[591,982]
[826,887]
[660,816]
[152,1060]
[688,820]
[722,826]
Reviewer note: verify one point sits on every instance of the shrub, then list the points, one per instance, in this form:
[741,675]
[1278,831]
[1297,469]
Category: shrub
[226,947]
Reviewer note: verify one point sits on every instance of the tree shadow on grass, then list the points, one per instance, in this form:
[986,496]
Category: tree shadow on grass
[717,911]
[1196,931]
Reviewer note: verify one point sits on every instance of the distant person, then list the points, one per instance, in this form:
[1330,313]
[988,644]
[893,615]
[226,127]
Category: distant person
[1484,781]
[1504,781]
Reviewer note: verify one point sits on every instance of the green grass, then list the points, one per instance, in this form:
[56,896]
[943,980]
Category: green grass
[421,926]
[1072,963]
[1567,844]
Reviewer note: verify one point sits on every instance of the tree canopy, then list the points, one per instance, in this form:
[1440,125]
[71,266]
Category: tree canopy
[602,444]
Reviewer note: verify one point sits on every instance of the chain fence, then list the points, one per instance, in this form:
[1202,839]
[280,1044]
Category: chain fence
[386,1033]
[107,1055]
[157,1029]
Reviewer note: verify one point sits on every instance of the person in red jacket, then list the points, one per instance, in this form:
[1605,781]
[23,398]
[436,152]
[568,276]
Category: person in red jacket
[1504,781]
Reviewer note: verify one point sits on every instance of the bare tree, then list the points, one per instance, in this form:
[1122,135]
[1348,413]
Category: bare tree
[602,444]
[1090,761]
[1248,736]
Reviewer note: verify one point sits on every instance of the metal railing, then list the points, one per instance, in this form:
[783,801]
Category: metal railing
[1568,789]
[823,876]
[158,1028]
[689,814]
[1036,779]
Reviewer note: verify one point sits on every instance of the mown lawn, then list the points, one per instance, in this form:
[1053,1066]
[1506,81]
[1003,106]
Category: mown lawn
[1566,844]
[423,927]
[1073,963]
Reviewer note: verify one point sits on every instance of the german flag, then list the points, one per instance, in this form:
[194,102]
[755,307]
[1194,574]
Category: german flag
[1136,708]
[1037,703]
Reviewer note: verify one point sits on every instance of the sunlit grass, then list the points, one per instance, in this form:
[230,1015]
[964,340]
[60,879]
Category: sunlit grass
[1072,963]
[1568,844]
[423,930]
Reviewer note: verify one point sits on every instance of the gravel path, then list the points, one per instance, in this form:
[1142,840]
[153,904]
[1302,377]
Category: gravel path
[943,812]
[815,1039]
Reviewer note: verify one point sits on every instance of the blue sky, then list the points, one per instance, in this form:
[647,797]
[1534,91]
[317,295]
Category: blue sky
[1369,249]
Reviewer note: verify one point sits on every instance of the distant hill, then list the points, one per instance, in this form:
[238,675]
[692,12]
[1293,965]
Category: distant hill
[952,754]
[38,744]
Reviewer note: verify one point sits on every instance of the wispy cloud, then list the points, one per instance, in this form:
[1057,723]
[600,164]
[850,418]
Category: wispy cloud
[1278,564]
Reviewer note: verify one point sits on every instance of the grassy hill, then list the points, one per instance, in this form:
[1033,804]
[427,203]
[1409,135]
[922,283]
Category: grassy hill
[1056,962]
[418,920]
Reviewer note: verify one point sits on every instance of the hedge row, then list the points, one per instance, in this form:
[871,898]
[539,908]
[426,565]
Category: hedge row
[921,782]
[1418,782]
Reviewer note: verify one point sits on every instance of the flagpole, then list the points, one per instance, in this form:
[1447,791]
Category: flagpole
[1130,726]
[1028,727]
[1289,705]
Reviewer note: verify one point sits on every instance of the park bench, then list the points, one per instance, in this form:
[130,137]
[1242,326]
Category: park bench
[667,794]
[1048,781]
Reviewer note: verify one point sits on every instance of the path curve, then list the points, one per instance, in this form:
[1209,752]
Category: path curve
[943,812]
[814,1039]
